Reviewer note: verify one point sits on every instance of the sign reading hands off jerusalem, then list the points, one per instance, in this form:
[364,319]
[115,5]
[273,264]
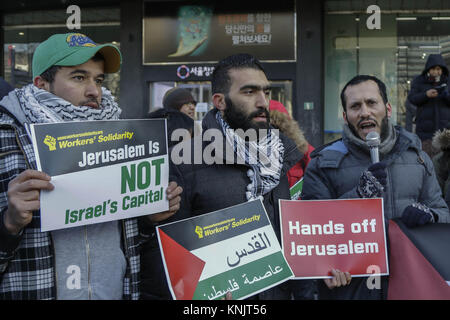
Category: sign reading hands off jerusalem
[345,234]
[101,170]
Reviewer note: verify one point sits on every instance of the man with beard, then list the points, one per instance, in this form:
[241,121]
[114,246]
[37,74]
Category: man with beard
[404,177]
[243,172]
[430,93]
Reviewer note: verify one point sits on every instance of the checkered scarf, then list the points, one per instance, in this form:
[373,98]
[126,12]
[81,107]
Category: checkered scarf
[263,156]
[41,106]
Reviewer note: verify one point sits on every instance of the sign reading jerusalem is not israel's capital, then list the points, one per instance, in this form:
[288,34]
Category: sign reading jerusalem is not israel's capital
[230,250]
[101,170]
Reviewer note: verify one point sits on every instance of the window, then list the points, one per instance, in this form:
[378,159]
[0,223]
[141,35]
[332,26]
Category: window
[24,31]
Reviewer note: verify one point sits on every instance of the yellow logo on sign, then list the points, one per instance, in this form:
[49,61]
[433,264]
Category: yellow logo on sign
[199,232]
[50,142]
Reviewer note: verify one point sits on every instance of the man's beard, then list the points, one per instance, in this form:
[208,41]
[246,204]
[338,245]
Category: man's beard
[384,129]
[238,120]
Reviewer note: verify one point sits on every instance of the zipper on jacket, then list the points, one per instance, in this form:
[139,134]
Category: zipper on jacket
[126,254]
[422,162]
[88,264]
[391,194]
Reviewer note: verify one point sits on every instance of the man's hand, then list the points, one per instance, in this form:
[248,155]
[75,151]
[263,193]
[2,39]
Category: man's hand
[432,93]
[373,181]
[173,195]
[339,279]
[23,198]
[417,214]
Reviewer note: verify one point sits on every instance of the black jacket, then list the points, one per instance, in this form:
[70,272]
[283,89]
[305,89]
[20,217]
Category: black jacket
[432,113]
[211,187]
[175,120]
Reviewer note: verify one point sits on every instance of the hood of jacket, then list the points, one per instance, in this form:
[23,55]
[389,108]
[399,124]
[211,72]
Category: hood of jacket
[290,128]
[441,139]
[435,60]
[165,112]
[175,120]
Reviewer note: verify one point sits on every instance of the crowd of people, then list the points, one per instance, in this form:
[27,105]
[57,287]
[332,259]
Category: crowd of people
[68,72]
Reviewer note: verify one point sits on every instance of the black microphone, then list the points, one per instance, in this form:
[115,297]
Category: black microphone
[373,141]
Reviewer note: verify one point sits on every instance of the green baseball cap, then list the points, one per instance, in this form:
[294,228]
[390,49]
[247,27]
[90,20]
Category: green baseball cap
[72,49]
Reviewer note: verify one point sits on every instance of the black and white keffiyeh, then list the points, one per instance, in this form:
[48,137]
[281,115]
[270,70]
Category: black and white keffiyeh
[41,106]
[264,156]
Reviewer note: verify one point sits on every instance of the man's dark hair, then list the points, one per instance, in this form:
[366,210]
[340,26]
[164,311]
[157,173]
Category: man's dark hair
[363,78]
[49,74]
[221,82]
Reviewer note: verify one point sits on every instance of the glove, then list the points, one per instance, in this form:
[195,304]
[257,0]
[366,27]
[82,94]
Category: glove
[417,214]
[373,181]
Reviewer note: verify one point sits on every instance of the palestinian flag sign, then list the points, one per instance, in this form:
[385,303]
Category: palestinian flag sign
[419,262]
[234,249]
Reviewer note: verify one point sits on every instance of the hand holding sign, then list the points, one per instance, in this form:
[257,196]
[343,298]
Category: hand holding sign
[23,198]
[173,193]
[339,279]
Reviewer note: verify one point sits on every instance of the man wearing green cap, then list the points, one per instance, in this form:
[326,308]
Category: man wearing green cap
[99,261]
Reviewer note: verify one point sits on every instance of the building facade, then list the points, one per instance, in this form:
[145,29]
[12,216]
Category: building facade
[309,50]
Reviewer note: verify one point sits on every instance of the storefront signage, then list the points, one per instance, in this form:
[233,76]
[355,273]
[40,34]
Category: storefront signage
[179,32]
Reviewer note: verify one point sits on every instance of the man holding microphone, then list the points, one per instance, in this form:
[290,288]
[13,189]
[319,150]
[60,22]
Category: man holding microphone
[361,166]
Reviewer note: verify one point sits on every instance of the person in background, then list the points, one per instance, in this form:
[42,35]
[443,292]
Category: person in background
[180,99]
[175,120]
[430,93]
[5,88]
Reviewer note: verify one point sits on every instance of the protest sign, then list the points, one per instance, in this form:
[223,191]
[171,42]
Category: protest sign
[321,235]
[101,170]
[234,249]
[296,190]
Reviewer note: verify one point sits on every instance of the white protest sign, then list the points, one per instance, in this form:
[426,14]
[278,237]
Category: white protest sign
[101,170]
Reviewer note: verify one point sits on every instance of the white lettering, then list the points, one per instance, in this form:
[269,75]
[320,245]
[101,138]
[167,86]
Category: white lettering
[73,21]
[74,280]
